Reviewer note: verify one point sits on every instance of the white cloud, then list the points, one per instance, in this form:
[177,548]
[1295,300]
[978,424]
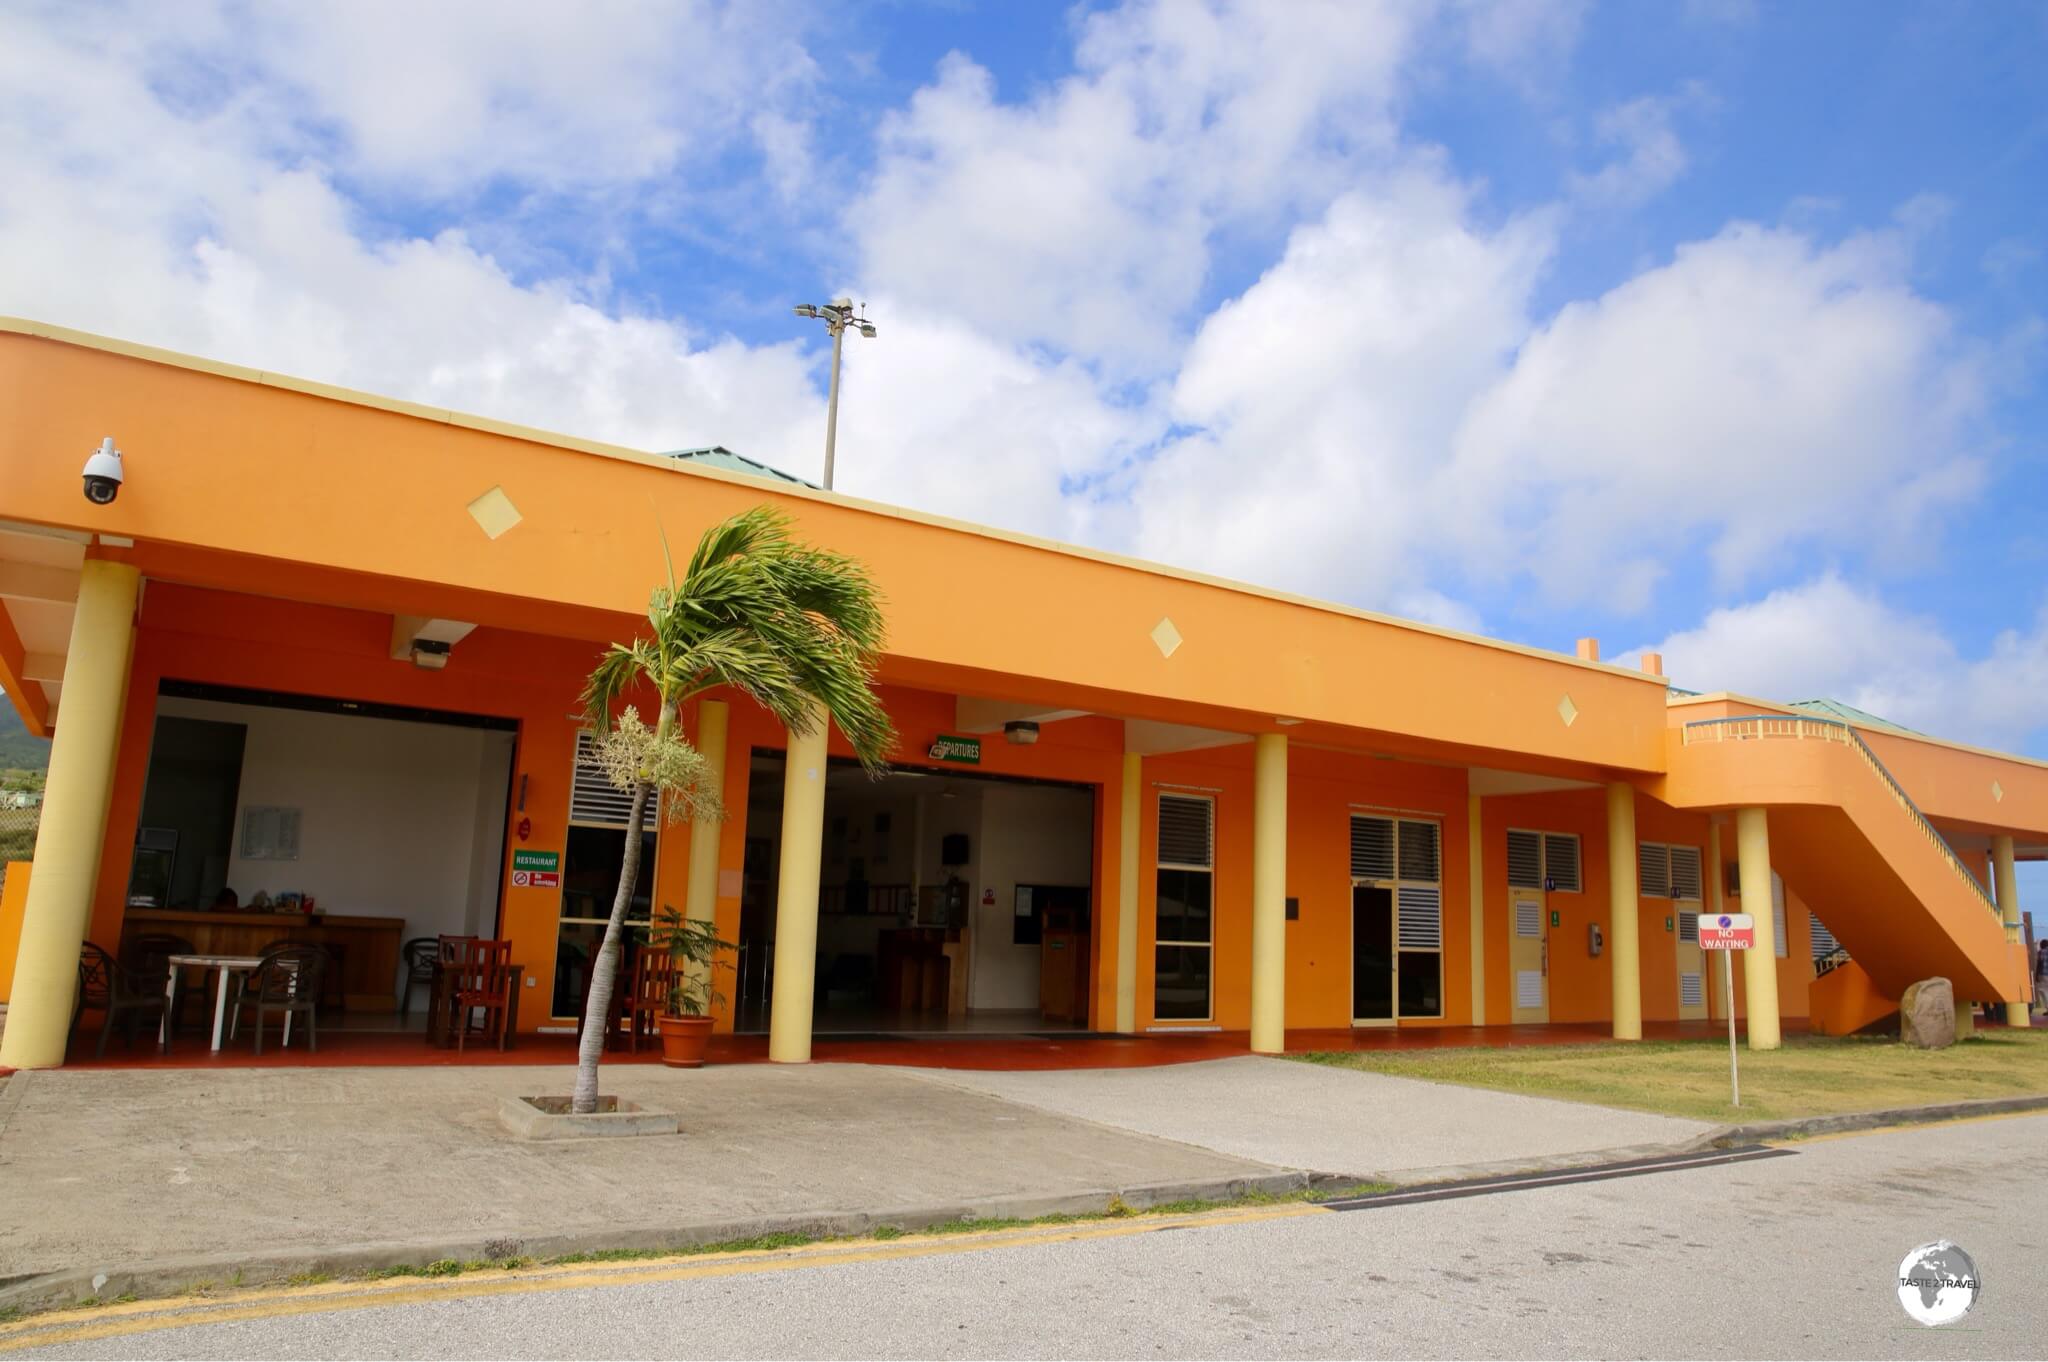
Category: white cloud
[1084,217]
[1529,40]
[136,208]
[1828,639]
[1318,403]
[1651,156]
[1760,392]
[1379,418]
[432,99]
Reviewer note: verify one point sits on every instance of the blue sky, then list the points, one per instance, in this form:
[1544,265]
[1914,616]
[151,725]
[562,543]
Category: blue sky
[1712,327]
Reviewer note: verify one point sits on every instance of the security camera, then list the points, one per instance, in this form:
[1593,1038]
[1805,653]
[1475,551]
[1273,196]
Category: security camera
[103,473]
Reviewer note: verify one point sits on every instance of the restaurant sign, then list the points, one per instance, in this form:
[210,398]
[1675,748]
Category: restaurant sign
[536,869]
[963,751]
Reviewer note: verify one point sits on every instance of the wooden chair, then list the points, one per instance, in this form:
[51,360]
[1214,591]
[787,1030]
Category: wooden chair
[287,982]
[105,984]
[441,993]
[482,988]
[654,973]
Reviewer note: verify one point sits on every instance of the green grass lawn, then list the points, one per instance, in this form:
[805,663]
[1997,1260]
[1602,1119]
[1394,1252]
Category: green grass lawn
[1810,1076]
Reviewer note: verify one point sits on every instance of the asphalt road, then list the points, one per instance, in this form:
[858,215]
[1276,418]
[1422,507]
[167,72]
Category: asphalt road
[1793,1256]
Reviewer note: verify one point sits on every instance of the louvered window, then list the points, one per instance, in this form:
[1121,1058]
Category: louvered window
[1421,851]
[1653,870]
[1372,848]
[1525,859]
[593,800]
[1543,860]
[1528,917]
[1184,918]
[1561,861]
[1187,832]
[1689,927]
[1668,872]
[1691,992]
[1422,917]
[1685,873]
[1528,988]
[1824,943]
[1778,914]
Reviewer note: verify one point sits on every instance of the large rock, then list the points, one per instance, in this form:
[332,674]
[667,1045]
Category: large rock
[1927,1014]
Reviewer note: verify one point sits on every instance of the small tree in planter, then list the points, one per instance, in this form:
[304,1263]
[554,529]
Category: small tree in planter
[692,947]
[794,628]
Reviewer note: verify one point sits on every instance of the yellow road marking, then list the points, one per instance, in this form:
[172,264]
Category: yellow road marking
[137,1317]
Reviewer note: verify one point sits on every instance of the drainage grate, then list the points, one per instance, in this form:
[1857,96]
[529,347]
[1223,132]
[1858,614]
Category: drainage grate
[1562,1177]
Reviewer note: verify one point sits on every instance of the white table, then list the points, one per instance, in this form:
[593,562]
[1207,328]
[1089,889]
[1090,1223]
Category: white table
[226,965]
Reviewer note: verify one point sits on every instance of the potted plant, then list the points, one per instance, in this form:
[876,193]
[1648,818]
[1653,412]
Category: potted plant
[692,948]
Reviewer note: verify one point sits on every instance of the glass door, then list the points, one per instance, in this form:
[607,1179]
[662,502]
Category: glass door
[1372,953]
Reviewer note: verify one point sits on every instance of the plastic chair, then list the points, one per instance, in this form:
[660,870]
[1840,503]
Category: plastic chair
[418,956]
[287,981]
[105,984]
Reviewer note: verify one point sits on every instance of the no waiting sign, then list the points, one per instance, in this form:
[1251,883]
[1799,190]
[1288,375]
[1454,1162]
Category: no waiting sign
[1727,931]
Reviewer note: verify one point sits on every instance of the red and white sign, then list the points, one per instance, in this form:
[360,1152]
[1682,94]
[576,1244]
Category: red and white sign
[536,879]
[1727,931]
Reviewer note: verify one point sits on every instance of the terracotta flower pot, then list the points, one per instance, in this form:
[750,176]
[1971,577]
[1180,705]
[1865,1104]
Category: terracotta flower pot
[684,1041]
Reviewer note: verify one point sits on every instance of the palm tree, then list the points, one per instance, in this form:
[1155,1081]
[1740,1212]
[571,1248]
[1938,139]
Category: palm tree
[794,628]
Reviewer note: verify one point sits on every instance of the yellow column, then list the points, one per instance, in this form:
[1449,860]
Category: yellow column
[1127,894]
[1269,893]
[1716,904]
[2009,908]
[1474,864]
[1760,961]
[796,901]
[67,858]
[1624,951]
[701,905]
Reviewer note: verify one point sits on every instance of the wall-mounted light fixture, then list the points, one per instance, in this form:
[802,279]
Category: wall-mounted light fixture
[1021,732]
[430,653]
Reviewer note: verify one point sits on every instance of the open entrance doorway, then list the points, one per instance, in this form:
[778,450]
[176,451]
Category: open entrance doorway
[947,902]
[277,819]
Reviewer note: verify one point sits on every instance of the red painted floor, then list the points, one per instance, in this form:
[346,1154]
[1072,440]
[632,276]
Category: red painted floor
[923,1051]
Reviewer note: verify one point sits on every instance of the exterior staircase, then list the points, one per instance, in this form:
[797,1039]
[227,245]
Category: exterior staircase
[1849,839]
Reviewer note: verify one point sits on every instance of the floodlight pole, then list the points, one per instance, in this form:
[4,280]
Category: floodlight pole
[832,403]
[837,316]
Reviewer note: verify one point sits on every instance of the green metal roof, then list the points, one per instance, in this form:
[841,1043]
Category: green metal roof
[718,456]
[1835,709]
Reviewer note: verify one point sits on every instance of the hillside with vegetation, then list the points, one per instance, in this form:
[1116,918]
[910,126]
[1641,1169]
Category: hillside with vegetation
[20,754]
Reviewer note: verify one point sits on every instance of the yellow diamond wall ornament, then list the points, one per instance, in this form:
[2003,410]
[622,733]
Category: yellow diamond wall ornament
[494,512]
[1997,793]
[1165,637]
[1567,711]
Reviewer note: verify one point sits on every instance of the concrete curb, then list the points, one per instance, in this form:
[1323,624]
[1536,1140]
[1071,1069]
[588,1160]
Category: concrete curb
[69,1286]
[1756,1131]
[1721,1137]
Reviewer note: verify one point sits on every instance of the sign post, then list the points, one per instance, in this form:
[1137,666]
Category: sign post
[1729,932]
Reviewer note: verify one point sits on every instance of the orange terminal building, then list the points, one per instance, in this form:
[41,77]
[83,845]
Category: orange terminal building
[328,645]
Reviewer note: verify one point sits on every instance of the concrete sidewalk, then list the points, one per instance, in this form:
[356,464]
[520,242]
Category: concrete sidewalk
[165,1178]
[102,1170]
[1334,1120]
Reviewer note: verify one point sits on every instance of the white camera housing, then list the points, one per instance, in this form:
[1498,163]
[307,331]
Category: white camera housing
[103,473]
